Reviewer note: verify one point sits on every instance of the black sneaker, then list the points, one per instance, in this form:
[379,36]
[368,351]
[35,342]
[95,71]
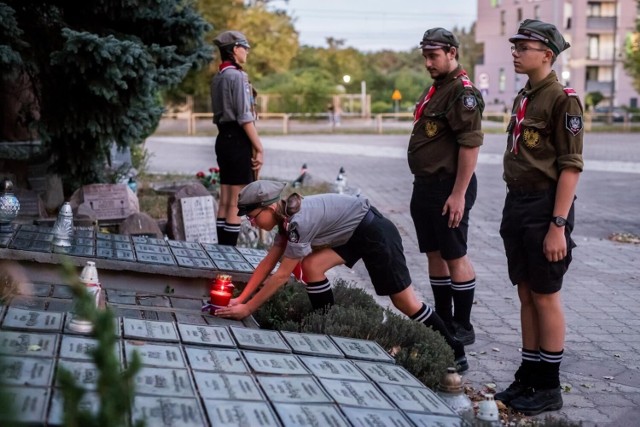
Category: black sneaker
[515,390]
[462,365]
[535,401]
[464,335]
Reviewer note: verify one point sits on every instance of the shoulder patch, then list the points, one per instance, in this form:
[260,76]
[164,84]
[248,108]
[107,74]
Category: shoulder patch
[570,91]
[466,82]
[470,102]
[573,123]
[292,233]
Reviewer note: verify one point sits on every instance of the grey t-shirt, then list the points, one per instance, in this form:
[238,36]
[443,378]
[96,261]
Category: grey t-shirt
[325,220]
[232,97]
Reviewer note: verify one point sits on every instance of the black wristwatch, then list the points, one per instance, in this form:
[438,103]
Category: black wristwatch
[559,221]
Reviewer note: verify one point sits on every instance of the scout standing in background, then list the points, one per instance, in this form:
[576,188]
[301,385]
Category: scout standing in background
[443,152]
[542,164]
[238,147]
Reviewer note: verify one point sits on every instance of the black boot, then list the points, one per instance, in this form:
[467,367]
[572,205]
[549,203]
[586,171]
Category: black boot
[535,401]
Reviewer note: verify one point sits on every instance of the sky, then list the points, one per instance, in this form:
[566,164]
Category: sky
[370,25]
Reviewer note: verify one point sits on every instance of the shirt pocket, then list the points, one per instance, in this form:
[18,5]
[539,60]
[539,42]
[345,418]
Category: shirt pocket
[535,134]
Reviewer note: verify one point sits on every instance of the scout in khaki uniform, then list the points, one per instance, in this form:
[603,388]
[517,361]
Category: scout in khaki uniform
[443,152]
[321,232]
[542,164]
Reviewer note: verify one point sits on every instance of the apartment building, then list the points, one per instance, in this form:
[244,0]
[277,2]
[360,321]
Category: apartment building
[598,31]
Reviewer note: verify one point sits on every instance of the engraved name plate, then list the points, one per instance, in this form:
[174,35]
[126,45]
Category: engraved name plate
[274,363]
[227,386]
[31,371]
[85,373]
[302,389]
[89,402]
[232,413]
[18,318]
[390,374]
[206,335]
[164,382]
[28,344]
[259,339]
[362,349]
[376,417]
[416,399]
[168,411]
[333,368]
[29,404]
[321,414]
[356,393]
[426,420]
[209,359]
[74,347]
[150,330]
[312,344]
[164,356]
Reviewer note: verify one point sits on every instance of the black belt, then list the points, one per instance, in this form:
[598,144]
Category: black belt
[368,218]
[430,179]
[538,187]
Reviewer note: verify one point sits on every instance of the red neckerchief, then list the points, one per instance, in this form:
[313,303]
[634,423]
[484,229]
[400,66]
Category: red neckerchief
[517,129]
[228,64]
[420,108]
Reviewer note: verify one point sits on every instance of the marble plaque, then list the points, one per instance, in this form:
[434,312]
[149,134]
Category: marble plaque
[104,253]
[116,327]
[252,252]
[168,411]
[26,371]
[427,420]
[312,344]
[253,260]
[419,399]
[199,219]
[123,246]
[195,262]
[233,266]
[124,255]
[206,335]
[62,291]
[28,344]
[84,232]
[213,385]
[85,373]
[362,349]
[155,258]
[150,330]
[366,417]
[18,318]
[82,241]
[388,374]
[302,389]
[5,240]
[163,356]
[259,339]
[356,393]
[164,382]
[40,246]
[103,242]
[322,414]
[231,413]
[29,404]
[89,402]
[75,347]
[108,201]
[216,256]
[275,363]
[209,359]
[184,245]
[323,367]
[153,249]
[191,253]
[39,290]
[86,251]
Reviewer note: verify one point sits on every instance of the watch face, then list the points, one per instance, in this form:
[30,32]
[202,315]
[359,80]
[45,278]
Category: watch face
[559,221]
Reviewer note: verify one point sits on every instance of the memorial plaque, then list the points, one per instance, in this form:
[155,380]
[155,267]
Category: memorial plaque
[150,330]
[206,335]
[252,252]
[323,367]
[20,244]
[195,262]
[5,240]
[164,382]
[219,321]
[168,411]
[155,258]
[104,244]
[156,241]
[74,347]
[123,246]
[312,344]
[253,260]
[213,385]
[116,326]
[26,235]
[18,318]
[28,303]
[199,218]
[214,360]
[275,363]
[322,414]
[259,339]
[40,290]
[153,249]
[125,255]
[366,417]
[120,238]
[90,402]
[302,389]
[184,245]
[189,319]
[60,306]
[163,356]
[29,404]
[383,373]
[233,266]
[82,241]
[228,413]
[44,237]
[62,291]
[26,371]
[216,256]
[85,373]
[108,201]
[427,420]
[84,232]
[419,399]
[139,239]
[362,349]
[40,246]
[86,251]
[356,393]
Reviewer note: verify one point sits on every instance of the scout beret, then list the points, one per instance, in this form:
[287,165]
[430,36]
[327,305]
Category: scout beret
[532,29]
[259,194]
[231,38]
[437,38]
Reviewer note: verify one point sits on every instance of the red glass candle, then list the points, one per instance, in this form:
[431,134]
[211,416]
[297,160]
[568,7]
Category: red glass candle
[221,290]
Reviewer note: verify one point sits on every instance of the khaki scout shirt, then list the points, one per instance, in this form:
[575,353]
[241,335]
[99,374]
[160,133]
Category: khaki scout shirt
[450,119]
[550,136]
[232,97]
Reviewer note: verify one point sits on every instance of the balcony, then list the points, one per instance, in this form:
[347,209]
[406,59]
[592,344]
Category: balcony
[599,86]
[601,23]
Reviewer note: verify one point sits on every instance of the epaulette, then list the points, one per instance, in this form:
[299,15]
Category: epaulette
[466,82]
[570,91]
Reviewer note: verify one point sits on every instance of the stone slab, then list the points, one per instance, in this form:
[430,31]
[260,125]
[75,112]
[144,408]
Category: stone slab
[62,291]
[324,367]
[108,201]
[274,363]
[427,420]
[216,360]
[301,389]
[419,399]
[184,245]
[29,403]
[14,343]
[32,320]
[189,253]
[311,344]
[168,411]
[152,258]
[213,385]
[232,413]
[26,371]
[383,373]
[362,349]
[84,372]
[365,417]
[159,355]
[259,339]
[152,249]
[164,382]
[322,414]
[83,251]
[233,266]
[217,336]
[77,347]
[356,393]
[89,402]
[194,262]
[117,331]
[199,219]
[150,330]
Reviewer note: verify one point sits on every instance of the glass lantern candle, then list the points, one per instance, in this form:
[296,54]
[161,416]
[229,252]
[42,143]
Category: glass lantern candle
[221,291]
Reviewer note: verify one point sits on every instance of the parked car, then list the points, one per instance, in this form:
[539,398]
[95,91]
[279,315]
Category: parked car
[617,113]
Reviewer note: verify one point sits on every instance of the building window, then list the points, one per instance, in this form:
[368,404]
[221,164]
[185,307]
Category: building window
[503,22]
[592,74]
[502,80]
[593,9]
[593,46]
[601,10]
[496,3]
[536,12]
[519,14]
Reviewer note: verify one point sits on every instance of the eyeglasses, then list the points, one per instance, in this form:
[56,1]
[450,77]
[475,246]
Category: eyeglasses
[524,49]
[252,219]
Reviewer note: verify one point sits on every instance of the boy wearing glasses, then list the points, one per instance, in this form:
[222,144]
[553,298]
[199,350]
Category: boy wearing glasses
[542,164]
[321,232]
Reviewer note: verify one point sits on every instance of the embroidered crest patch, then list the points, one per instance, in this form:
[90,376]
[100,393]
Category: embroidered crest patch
[292,233]
[573,124]
[470,102]
[431,129]
[530,138]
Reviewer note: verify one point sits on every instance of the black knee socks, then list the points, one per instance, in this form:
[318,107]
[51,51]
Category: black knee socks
[463,293]
[227,232]
[320,294]
[441,287]
[431,319]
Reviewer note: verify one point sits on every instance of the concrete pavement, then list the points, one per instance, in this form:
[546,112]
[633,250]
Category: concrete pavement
[601,365]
